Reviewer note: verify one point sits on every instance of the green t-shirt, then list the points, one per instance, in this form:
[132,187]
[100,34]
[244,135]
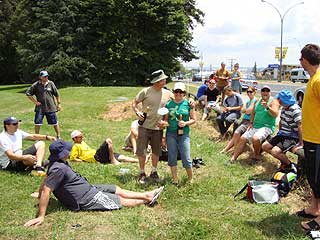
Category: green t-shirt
[262,117]
[175,109]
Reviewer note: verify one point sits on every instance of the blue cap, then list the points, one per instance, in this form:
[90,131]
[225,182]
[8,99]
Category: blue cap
[286,97]
[10,120]
[59,149]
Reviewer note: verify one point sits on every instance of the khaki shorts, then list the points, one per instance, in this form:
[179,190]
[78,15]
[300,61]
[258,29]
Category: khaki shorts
[260,133]
[148,136]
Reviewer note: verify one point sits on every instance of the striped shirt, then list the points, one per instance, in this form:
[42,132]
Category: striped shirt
[290,118]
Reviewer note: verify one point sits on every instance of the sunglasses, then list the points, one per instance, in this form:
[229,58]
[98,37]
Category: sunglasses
[265,90]
[249,91]
[300,59]
[79,137]
[14,124]
[178,91]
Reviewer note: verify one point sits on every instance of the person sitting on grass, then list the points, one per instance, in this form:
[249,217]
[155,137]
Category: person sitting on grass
[82,152]
[131,138]
[76,193]
[211,99]
[289,135]
[12,157]
[243,126]
[262,125]
[231,110]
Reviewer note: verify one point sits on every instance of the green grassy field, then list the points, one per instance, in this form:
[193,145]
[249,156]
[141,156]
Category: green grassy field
[202,210]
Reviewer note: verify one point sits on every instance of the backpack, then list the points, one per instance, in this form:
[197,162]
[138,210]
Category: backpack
[260,191]
[284,180]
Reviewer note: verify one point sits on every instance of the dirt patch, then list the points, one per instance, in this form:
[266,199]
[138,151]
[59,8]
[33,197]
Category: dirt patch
[118,111]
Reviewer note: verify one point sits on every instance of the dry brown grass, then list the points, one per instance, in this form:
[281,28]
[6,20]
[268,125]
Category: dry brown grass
[118,111]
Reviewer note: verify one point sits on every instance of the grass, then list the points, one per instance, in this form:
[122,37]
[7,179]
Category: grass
[203,210]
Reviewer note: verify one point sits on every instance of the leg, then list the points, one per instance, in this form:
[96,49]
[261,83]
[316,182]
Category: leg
[53,120]
[37,129]
[123,158]
[133,141]
[267,147]
[172,155]
[57,130]
[220,121]
[256,147]
[113,160]
[184,149]
[277,153]
[40,147]
[239,148]
[174,174]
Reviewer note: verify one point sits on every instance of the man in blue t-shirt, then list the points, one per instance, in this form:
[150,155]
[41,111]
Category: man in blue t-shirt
[76,193]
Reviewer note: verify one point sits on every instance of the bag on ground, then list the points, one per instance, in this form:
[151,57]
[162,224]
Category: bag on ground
[260,191]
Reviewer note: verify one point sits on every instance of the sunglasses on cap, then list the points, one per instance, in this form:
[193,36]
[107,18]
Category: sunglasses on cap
[178,91]
[265,90]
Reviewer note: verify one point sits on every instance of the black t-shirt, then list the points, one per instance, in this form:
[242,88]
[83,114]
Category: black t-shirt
[212,94]
[69,187]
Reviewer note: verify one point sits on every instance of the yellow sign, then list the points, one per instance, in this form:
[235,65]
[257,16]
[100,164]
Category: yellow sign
[284,52]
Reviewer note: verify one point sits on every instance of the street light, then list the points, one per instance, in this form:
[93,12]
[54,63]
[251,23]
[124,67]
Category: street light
[281,19]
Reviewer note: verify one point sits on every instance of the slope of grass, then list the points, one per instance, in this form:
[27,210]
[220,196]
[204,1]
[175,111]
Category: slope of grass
[203,210]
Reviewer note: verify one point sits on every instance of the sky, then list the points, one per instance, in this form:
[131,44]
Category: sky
[249,30]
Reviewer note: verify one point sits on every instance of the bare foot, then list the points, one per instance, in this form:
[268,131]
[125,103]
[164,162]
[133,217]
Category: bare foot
[34,194]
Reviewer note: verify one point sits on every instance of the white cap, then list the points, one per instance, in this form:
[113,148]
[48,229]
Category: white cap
[179,85]
[75,133]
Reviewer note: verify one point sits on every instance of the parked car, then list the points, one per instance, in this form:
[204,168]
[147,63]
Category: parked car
[299,75]
[248,81]
[299,95]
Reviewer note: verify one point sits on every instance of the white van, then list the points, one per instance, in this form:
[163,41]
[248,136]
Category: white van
[299,75]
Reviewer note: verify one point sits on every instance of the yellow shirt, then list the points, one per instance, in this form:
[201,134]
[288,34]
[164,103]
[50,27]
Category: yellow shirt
[222,73]
[82,151]
[311,110]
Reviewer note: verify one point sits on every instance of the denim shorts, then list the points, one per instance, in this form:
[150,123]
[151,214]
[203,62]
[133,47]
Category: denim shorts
[177,143]
[50,116]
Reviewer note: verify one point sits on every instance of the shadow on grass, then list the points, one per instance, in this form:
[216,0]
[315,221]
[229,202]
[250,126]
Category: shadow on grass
[20,88]
[282,226]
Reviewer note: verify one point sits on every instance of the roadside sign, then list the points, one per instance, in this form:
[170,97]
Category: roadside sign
[277,52]
[273,66]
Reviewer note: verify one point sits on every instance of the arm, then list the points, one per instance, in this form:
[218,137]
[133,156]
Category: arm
[274,108]
[191,121]
[249,110]
[300,135]
[40,137]
[43,204]
[136,110]
[25,158]
[58,99]
[32,99]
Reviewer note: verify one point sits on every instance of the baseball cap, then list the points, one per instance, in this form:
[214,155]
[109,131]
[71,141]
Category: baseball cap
[75,133]
[286,97]
[10,120]
[179,85]
[59,149]
[266,87]
[43,74]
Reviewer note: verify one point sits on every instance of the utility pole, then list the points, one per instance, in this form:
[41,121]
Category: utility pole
[231,61]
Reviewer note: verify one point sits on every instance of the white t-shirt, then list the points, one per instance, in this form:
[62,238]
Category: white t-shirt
[10,142]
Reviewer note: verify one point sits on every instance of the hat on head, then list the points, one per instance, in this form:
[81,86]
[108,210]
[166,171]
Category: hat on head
[286,97]
[59,149]
[266,87]
[158,76]
[179,85]
[10,120]
[223,63]
[43,74]
[75,133]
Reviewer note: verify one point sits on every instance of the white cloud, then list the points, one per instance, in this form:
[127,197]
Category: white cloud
[249,31]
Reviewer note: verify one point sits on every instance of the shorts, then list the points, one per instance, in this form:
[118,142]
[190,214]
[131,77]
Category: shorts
[148,136]
[243,126]
[311,166]
[102,154]
[50,116]
[19,166]
[284,143]
[104,200]
[260,133]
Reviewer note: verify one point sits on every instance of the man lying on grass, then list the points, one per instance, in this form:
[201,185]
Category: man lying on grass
[75,193]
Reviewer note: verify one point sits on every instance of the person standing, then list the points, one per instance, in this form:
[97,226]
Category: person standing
[47,102]
[179,118]
[152,98]
[310,61]
[222,76]
[235,79]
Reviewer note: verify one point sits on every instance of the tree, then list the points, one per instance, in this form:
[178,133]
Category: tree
[103,42]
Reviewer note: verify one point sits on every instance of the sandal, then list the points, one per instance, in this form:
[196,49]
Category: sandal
[303,214]
[311,225]
[156,197]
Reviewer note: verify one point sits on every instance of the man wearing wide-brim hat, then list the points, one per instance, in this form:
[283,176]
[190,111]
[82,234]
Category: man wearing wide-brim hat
[289,136]
[152,98]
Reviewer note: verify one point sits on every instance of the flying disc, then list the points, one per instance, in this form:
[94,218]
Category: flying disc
[163,111]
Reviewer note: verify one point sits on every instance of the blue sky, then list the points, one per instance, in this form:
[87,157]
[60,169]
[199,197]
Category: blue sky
[249,31]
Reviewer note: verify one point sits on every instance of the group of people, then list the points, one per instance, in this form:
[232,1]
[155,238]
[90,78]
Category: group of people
[156,127]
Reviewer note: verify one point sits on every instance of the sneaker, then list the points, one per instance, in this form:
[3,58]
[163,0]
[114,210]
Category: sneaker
[142,178]
[38,171]
[154,176]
